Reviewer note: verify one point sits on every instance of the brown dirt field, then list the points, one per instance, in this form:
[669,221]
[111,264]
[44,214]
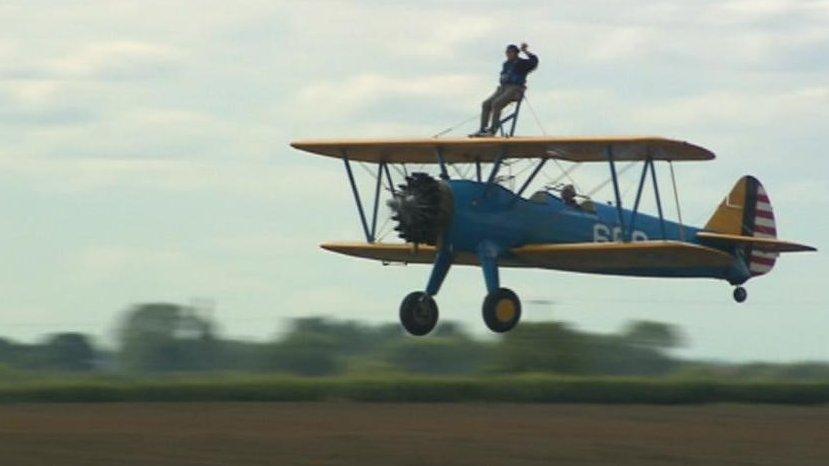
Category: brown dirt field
[410,434]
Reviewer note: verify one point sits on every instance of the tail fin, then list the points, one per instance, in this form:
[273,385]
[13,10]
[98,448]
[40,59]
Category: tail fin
[746,211]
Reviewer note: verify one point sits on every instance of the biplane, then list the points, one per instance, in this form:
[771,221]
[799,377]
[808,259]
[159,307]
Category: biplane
[448,220]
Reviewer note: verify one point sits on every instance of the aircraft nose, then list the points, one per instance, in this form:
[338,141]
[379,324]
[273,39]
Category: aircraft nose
[422,209]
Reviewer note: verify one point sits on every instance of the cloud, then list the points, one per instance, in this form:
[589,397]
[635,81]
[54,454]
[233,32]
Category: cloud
[156,269]
[98,175]
[116,60]
[40,103]
[344,97]
[739,109]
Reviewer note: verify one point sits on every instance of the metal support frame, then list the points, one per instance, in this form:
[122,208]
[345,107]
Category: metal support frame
[495,167]
[378,183]
[638,195]
[444,173]
[512,117]
[370,232]
[494,172]
[615,178]
[388,178]
[531,177]
[357,200]
[478,169]
[658,200]
[676,199]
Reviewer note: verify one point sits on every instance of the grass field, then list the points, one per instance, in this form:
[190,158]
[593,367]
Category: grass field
[340,433]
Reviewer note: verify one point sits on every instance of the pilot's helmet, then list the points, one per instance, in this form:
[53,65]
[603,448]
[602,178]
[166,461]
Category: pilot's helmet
[568,193]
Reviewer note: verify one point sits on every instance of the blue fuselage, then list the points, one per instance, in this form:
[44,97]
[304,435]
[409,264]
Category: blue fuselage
[492,213]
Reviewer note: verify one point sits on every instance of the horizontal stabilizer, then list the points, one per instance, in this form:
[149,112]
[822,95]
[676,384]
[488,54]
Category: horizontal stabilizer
[759,243]
[590,257]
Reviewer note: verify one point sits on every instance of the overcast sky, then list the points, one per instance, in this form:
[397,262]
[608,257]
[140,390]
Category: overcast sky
[144,153]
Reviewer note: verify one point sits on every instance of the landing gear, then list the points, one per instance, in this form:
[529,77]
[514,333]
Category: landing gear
[418,313]
[740,294]
[501,310]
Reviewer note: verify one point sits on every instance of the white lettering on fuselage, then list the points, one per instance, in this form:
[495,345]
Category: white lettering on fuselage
[603,234]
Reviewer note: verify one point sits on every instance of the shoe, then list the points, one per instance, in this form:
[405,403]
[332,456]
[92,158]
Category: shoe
[479,134]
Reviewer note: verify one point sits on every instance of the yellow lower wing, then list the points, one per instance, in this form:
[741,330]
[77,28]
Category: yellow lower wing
[763,244]
[402,253]
[575,256]
[386,252]
[587,257]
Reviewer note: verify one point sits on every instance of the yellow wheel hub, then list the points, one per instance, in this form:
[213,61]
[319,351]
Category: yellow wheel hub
[505,310]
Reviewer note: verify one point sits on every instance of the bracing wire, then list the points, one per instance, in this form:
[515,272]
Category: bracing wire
[558,179]
[455,168]
[383,231]
[627,188]
[605,182]
[454,127]
[564,173]
[371,173]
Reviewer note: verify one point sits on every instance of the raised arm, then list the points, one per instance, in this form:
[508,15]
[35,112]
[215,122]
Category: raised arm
[531,62]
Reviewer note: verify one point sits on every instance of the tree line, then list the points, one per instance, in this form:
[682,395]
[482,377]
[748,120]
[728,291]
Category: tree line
[165,338]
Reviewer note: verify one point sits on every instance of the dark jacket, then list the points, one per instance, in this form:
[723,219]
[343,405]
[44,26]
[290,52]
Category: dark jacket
[515,72]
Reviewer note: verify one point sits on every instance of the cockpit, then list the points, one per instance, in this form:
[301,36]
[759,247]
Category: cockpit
[565,193]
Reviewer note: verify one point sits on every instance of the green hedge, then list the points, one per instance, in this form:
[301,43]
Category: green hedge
[522,389]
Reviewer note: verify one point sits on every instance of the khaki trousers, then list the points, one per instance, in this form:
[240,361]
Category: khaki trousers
[502,96]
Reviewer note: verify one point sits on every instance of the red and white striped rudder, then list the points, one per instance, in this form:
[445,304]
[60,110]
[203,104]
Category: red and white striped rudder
[762,226]
[747,211]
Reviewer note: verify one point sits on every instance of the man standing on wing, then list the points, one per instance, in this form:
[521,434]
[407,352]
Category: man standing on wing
[513,82]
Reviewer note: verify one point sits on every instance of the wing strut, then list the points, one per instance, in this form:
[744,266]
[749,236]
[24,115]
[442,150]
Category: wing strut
[638,195]
[444,174]
[676,198]
[615,178]
[531,177]
[658,200]
[370,232]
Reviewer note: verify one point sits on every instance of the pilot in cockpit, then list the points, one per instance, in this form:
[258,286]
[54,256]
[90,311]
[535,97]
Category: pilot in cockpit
[568,195]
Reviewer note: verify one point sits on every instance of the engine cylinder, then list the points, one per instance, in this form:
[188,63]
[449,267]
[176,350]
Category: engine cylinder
[422,208]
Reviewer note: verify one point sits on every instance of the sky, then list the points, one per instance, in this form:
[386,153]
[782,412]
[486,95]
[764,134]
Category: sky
[144,154]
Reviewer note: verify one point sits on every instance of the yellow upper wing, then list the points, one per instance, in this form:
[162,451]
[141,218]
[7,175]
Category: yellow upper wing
[468,150]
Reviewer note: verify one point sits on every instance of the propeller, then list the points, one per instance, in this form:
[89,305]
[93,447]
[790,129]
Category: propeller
[422,208]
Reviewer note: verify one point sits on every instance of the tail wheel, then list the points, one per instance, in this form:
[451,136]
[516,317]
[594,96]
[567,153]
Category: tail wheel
[501,310]
[418,313]
[740,294]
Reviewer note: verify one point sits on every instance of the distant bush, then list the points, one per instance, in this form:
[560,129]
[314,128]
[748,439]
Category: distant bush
[439,355]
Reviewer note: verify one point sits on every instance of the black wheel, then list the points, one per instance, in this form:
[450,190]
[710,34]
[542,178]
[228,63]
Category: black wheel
[501,310]
[740,294]
[418,313]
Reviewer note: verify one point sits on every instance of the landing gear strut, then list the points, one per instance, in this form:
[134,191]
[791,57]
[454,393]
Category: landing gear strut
[418,313]
[502,308]
[740,294]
